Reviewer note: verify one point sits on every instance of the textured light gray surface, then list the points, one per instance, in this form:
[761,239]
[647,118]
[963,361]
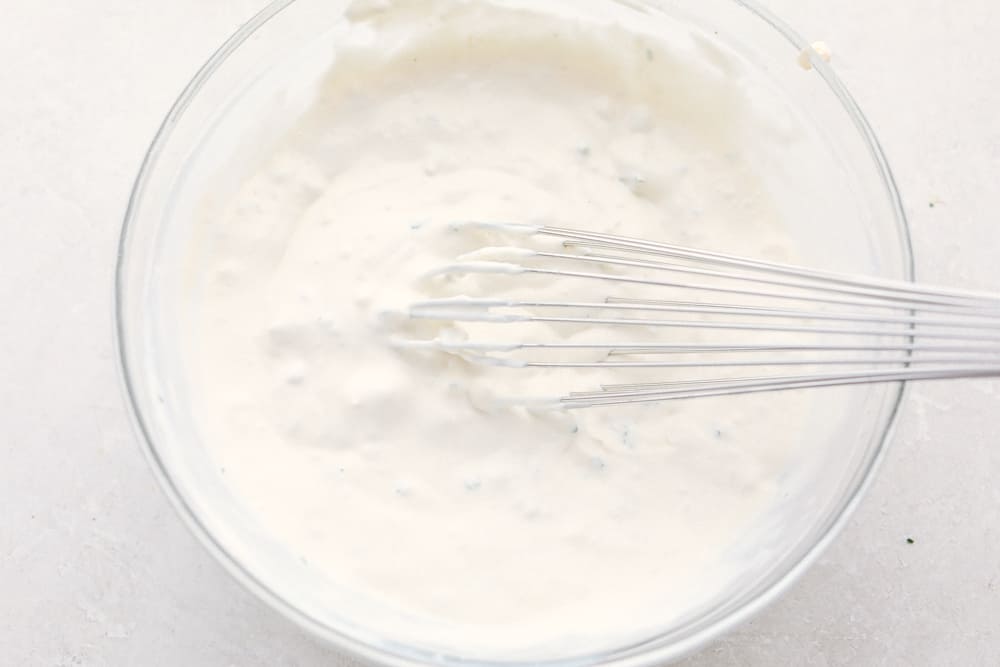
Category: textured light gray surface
[96,569]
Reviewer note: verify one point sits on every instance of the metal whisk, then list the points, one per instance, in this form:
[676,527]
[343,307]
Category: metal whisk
[834,329]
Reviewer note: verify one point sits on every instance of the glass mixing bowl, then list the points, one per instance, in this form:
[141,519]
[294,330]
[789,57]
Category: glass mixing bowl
[264,77]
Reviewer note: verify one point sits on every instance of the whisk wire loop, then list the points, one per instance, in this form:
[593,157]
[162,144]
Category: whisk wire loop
[844,329]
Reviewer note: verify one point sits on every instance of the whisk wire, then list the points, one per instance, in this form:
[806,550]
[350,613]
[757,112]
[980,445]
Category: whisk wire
[857,329]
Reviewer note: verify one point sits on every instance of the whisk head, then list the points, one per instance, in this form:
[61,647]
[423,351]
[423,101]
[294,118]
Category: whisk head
[650,321]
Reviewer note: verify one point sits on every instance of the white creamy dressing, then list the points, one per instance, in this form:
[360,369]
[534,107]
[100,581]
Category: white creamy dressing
[395,473]
[821,49]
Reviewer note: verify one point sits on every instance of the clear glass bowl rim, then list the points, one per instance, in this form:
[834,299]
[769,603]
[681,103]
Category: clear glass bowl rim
[396,655]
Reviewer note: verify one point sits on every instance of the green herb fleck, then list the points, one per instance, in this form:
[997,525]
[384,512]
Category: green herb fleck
[910,540]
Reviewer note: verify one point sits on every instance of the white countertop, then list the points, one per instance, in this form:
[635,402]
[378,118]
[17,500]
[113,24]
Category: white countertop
[96,568]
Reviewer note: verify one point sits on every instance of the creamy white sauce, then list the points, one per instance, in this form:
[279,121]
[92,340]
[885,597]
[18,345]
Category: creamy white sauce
[821,49]
[395,472]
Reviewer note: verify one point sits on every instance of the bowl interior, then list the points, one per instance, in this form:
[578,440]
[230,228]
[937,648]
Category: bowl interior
[832,184]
